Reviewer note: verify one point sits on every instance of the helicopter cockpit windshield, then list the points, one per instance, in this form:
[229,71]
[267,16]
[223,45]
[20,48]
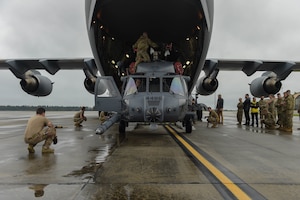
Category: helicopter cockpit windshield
[177,86]
[174,85]
[135,85]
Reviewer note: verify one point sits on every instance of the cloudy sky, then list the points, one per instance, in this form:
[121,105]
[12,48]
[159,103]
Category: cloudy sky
[243,29]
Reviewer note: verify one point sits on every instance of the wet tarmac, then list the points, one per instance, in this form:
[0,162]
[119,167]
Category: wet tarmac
[62,175]
[148,164]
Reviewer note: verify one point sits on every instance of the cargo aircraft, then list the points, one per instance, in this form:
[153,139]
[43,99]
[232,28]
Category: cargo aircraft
[154,87]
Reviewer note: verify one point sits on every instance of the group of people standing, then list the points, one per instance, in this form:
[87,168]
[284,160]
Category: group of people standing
[270,113]
[273,111]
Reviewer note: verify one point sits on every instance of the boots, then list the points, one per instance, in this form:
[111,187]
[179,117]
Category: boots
[47,150]
[289,130]
[214,125]
[30,148]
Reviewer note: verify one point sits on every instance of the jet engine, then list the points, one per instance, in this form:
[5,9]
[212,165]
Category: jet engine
[207,86]
[264,85]
[89,84]
[35,84]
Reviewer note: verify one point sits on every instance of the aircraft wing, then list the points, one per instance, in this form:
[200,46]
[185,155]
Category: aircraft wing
[36,84]
[268,83]
[20,66]
[249,67]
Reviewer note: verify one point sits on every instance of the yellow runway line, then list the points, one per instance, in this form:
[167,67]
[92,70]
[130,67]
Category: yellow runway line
[232,187]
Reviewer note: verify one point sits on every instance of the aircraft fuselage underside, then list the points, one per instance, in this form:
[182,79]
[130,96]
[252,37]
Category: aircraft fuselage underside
[181,27]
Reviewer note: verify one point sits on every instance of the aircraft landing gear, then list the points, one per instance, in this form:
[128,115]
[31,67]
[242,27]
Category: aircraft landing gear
[122,134]
[188,123]
[122,127]
[188,126]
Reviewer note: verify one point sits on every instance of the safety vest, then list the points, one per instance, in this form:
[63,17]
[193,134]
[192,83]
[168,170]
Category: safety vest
[254,107]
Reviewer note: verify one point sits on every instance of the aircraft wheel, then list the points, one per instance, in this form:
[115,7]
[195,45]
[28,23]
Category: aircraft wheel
[122,126]
[188,126]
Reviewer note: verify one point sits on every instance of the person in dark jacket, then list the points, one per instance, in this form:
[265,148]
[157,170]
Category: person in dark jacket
[219,108]
[246,107]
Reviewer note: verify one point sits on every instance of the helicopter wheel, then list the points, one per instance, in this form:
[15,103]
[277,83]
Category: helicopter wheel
[122,126]
[188,126]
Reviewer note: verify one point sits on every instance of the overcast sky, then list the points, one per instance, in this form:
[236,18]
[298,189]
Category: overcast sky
[243,29]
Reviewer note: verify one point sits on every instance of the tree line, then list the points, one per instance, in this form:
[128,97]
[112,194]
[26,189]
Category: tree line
[48,108]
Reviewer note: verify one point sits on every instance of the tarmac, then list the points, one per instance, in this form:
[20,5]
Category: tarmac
[61,175]
[148,164]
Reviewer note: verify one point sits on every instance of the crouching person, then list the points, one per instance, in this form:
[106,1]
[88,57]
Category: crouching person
[268,120]
[39,129]
[79,117]
[212,118]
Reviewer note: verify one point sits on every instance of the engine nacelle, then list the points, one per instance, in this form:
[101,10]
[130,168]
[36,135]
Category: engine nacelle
[89,84]
[101,85]
[264,85]
[207,86]
[36,85]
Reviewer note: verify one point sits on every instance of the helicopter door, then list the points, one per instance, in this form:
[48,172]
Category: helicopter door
[107,95]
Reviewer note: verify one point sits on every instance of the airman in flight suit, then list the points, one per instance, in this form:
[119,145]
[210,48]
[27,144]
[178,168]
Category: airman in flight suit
[141,46]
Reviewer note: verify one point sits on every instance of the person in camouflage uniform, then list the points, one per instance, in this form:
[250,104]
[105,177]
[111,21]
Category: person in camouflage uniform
[279,108]
[268,120]
[212,118]
[263,106]
[79,117]
[288,107]
[39,129]
[239,114]
[141,47]
[271,106]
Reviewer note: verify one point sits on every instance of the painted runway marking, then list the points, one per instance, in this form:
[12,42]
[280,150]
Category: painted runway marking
[232,187]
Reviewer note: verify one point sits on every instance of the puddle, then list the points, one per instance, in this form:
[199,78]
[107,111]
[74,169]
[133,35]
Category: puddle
[100,155]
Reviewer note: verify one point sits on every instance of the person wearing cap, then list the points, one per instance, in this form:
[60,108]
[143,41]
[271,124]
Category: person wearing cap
[288,107]
[103,117]
[254,111]
[39,129]
[280,110]
[219,108]
[213,118]
[141,47]
[239,114]
[268,120]
[79,117]
[246,108]
[38,189]
[263,105]
[271,105]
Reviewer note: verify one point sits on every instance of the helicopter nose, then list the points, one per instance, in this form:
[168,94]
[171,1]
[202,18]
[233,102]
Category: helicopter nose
[153,114]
